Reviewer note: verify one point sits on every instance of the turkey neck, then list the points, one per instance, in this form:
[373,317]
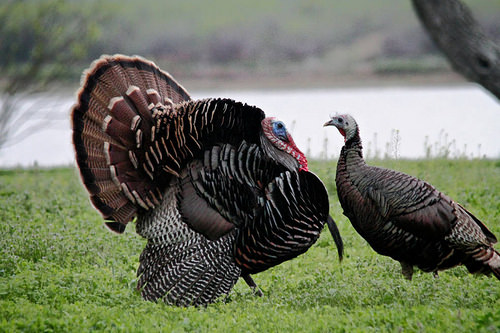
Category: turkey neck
[351,173]
[351,155]
[350,179]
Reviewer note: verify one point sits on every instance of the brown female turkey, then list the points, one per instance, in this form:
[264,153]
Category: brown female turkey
[406,218]
[218,190]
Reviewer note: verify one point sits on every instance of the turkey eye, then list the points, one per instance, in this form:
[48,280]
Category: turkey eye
[280,131]
[341,120]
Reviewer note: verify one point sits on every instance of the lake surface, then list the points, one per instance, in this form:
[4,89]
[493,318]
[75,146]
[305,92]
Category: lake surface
[397,122]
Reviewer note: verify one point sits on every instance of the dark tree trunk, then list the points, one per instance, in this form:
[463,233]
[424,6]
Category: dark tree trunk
[453,28]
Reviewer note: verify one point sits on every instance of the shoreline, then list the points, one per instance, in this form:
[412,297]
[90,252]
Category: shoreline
[292,81]
[318,81]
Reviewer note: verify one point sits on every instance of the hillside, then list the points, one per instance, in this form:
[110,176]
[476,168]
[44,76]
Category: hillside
[328,42]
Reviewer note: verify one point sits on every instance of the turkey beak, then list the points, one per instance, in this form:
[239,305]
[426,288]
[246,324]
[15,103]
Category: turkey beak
[329,123]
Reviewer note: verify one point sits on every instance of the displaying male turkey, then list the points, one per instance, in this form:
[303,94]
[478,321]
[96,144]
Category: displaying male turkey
[406,218]
[218,190]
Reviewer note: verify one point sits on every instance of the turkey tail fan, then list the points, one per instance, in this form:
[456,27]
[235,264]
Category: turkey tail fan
[111,118]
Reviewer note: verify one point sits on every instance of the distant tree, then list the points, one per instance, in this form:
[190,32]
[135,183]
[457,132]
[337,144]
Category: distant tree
[40,41]
[459,36]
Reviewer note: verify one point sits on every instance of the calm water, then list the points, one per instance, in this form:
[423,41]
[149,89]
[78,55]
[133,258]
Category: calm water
[394,122]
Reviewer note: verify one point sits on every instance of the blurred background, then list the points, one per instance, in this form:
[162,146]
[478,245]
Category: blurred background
[299,60]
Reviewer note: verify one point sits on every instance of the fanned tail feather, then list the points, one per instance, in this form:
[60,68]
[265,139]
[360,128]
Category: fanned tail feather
[112,118]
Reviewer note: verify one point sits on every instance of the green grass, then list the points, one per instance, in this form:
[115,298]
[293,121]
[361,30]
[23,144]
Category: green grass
[61,270]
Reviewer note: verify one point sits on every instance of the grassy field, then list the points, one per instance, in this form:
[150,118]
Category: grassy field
[61,270]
